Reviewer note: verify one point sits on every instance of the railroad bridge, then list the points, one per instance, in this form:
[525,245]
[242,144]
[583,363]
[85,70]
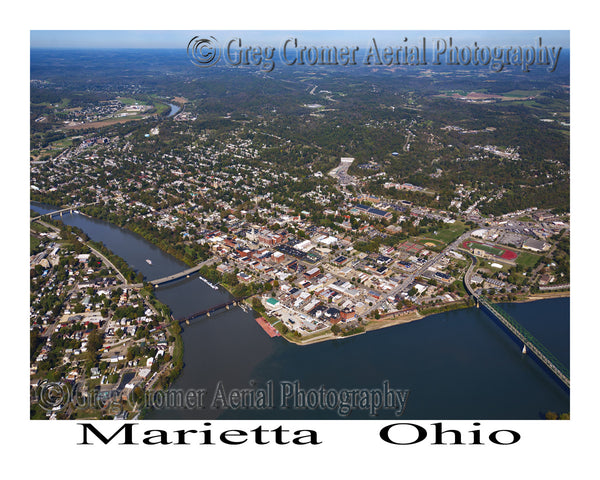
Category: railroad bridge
[213,309]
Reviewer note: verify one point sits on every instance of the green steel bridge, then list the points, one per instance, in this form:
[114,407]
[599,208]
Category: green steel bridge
[532,344]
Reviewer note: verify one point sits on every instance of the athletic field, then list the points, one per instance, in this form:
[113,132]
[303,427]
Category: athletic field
[492,250]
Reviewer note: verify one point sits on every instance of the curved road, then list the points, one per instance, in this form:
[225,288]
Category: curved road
[96,252]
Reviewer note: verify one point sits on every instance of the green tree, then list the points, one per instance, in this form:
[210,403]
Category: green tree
[78,308]
[94,342]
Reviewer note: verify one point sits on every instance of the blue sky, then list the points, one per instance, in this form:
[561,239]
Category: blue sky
[180,38]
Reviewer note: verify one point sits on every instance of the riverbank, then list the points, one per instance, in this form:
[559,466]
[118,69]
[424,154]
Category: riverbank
[544,296]
[98,212]
[241,290]
[393,321]
[371,326]
[400,319]
[131,298]
[440,353]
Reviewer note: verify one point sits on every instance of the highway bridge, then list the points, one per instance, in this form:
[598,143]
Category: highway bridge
[184,274]
[532,345]
[61,211]
[158,281]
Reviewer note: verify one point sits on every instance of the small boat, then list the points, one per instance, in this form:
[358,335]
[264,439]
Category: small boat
[524,351]
[148,261]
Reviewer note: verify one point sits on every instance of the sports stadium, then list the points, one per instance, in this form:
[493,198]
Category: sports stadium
[492,250]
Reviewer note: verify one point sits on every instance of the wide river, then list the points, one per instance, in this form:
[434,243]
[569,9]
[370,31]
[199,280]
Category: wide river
[455,365]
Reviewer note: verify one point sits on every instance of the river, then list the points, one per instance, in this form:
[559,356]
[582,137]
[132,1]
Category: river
[456,365]
[174,109]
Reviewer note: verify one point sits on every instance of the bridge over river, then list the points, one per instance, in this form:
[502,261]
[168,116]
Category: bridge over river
[62,210]
[518,332]
[183,274]
[213,309]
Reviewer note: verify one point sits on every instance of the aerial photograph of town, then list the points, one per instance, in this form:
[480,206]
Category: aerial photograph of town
[299,225]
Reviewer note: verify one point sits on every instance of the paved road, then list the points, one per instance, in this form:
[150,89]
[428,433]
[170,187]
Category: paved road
[408,280]
[185,273]
[96,252]
[66,209]
[108,262]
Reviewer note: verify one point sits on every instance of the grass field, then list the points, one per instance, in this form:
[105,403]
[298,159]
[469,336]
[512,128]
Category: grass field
[425,240]
[492,250]
[33,243]
[62,143]
[449,233]
[526,259]
[522,93]
[486,248]
[460,92]
[441,237]
[104,123]
[160,107]
[38,227]
[127,100]
[488,264]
